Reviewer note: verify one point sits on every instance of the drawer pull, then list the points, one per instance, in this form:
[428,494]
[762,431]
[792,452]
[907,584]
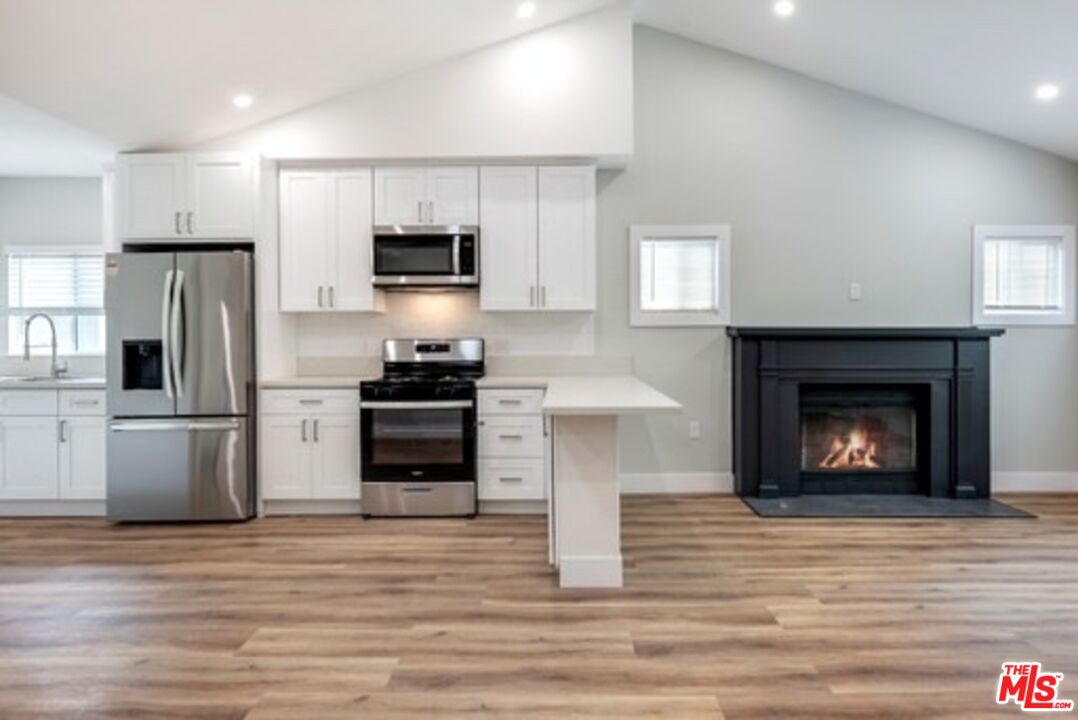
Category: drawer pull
[511,479]
[311,402]
[510,437]
[510,402]
[85,403]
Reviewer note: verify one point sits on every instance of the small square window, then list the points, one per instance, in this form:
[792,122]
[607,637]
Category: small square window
[1023,275]
[680,275]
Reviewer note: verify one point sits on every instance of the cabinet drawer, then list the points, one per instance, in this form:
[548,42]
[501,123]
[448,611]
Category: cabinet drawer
[510,402]
[511,480]
[511,437]
[82,402]
[27,402]
[321,402]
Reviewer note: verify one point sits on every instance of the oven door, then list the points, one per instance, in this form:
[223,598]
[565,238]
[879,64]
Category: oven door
[436,256]
[418,441]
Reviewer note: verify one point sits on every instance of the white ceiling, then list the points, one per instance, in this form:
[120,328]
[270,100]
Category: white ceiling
[975,62]
[144,74]
[34,143]
[147,74]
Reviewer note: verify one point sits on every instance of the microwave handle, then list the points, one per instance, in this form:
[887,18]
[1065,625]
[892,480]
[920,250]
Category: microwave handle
[456,254]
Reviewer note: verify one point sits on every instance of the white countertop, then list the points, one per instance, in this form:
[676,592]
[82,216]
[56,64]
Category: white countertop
[565,394]
[69,383]
[613,395]
[343,382]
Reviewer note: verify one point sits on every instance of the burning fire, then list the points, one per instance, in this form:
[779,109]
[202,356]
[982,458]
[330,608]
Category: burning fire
[852,451]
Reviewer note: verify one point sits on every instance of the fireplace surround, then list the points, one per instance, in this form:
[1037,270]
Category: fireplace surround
[855,411]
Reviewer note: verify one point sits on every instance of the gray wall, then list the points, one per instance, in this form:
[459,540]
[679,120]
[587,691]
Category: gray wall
[823,187]
[50,210]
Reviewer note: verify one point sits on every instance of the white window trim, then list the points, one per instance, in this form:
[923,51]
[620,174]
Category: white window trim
[721,235]
[1002,318]
[44,249]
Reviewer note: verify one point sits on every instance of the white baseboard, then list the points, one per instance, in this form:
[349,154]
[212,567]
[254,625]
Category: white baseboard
[661,483]
[311,507]
[1039,482]
[590,571]
[52,508]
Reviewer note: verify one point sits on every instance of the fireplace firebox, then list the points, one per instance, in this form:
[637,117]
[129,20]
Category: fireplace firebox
[852,411]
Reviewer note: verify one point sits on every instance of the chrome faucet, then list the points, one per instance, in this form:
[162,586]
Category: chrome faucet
[58,367]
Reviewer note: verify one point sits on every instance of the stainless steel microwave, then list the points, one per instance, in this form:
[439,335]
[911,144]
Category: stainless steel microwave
[426,256]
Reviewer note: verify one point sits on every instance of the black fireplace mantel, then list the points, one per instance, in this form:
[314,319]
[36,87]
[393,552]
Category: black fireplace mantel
[949,367]
[898,333]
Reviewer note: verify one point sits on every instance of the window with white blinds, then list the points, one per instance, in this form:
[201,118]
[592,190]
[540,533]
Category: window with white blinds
[1024,275]
[70,287]
[680,275]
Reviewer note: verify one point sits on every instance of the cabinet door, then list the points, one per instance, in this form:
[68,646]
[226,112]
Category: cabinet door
[150,196]
[400,196]
[82,458]
[350,269]
[220,195]
[336,457]
[567,238]
[285,462]
[305,240]
[452,196]
[28,462]
[509,218]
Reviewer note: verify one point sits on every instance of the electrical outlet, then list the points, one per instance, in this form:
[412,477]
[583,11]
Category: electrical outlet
[694,430]
[855,292]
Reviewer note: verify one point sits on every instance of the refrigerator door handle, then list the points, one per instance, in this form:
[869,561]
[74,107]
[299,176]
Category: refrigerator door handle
[176,350]
[182,426]
[166,348]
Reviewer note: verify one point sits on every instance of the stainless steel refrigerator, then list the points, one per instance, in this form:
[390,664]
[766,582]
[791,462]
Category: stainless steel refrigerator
[181,374]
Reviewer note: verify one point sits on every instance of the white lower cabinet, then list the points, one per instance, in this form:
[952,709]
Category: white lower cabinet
[82,458]
[28,469]
[512,445]
[310,445]
[46,455]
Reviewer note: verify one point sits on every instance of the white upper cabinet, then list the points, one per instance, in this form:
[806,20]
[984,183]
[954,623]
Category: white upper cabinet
[538,238]
[351,226]
[509,233]
[452,196]
[150,195]
[325,236]
[567,238]
[304,238]
[400,196]
[426,196]
[173,196]
[220,197]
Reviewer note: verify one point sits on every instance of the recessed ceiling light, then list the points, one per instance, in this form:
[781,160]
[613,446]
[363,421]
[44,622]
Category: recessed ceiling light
[1046,92]
[785,8]
[242,101]
[525,10]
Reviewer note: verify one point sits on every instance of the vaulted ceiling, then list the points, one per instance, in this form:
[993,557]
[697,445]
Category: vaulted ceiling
[143,74]
[82,78]
[976,62]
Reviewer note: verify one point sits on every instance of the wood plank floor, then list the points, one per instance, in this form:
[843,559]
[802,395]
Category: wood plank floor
[725,615]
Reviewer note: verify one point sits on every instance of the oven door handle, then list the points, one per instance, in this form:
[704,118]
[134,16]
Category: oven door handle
[412,405]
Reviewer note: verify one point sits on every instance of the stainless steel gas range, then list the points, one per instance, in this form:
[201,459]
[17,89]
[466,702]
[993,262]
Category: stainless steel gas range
[419,430]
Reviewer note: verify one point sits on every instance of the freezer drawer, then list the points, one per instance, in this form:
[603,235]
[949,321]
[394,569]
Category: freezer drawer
[179,469]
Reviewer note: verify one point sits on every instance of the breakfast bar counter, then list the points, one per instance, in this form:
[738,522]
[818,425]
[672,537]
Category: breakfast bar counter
[585,520]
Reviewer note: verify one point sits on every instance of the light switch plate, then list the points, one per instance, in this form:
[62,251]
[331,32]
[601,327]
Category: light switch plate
[855,292]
